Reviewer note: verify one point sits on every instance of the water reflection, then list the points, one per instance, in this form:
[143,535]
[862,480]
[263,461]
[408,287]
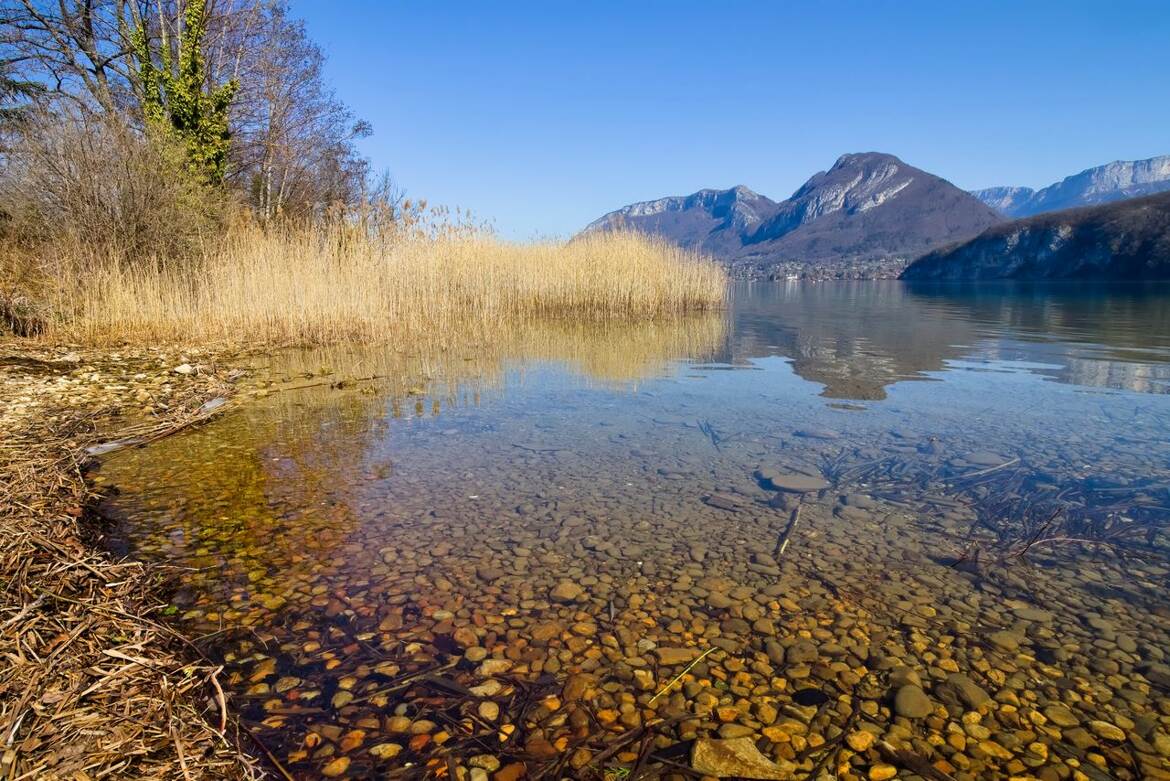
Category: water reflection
[858,338]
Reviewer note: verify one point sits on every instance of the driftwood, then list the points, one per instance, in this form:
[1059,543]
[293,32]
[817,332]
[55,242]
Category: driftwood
[782,543]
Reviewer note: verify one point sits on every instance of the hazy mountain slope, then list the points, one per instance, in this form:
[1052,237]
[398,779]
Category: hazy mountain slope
[1104,184]
[1124,240]
[1005,200]
[716,221]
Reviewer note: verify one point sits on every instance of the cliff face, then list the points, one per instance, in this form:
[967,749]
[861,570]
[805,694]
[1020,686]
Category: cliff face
[1124,240]
[867,207]
[1104,184]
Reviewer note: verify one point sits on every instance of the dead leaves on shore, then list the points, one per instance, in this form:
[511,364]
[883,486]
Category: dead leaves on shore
[90,685]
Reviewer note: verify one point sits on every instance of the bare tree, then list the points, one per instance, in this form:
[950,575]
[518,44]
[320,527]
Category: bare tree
[292,151]
[77,50]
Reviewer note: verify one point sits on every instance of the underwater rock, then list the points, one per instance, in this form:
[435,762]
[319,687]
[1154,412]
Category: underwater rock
[736,758]
[791,482]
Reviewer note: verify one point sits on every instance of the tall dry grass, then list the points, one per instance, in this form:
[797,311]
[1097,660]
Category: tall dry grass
[323,286]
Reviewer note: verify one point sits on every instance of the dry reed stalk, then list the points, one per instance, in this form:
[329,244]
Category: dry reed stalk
[91,686]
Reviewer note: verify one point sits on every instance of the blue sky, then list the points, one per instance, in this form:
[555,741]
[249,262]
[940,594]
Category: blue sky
[542,116]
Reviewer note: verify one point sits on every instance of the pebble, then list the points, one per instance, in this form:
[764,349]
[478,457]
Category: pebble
[386,750]
[336,767]
[967,691]
[485,761]
[675,656]
[566,591]
[1034,614]
[801,652]
[1107,731]
[1006,641]
[1061,716]
[911,702]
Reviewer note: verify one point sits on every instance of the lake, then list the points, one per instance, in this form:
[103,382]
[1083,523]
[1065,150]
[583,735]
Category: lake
[838,514]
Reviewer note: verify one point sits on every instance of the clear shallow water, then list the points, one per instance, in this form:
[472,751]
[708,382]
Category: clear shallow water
[550,525]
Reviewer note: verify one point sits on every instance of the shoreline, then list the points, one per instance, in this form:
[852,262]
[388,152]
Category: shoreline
[95,686]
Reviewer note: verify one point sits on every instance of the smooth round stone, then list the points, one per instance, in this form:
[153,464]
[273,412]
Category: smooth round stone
[386,750]
[860,741]
[731,731]
[1107,731]
[912,703]
[965,689]
[1005,640]
[1061,716]
[719,601]
[802,651]
[1034,614]
[566,591]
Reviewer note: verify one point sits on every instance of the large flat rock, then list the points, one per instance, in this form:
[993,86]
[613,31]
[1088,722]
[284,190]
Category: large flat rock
[791,482]
[736,758]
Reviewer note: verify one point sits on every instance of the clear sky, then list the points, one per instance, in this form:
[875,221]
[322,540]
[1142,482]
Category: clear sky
[542,116]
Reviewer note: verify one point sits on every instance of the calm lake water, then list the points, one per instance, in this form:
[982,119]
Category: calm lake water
[455,559]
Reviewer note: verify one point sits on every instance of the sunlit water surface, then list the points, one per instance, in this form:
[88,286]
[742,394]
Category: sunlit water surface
[533,535]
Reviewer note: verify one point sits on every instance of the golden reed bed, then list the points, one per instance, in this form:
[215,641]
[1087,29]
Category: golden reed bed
[325,286]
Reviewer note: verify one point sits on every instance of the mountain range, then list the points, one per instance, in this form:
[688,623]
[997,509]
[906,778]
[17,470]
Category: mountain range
[1114,181]
[869,212]
[869,215]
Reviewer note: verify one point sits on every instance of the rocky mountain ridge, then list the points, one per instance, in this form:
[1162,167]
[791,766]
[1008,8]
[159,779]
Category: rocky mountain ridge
[1114,181]
[866,216]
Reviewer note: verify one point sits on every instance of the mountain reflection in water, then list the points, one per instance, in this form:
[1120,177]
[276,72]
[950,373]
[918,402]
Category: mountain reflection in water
[858,338]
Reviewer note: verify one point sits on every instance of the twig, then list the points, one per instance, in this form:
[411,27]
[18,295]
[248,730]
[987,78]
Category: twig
[913,761]
[782,543]
[624,740]
[989,469]
[643,753]
[686,670]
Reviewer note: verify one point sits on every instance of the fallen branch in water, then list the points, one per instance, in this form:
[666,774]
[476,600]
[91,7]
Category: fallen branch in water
[912,761]
[782,543]
[989,469]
